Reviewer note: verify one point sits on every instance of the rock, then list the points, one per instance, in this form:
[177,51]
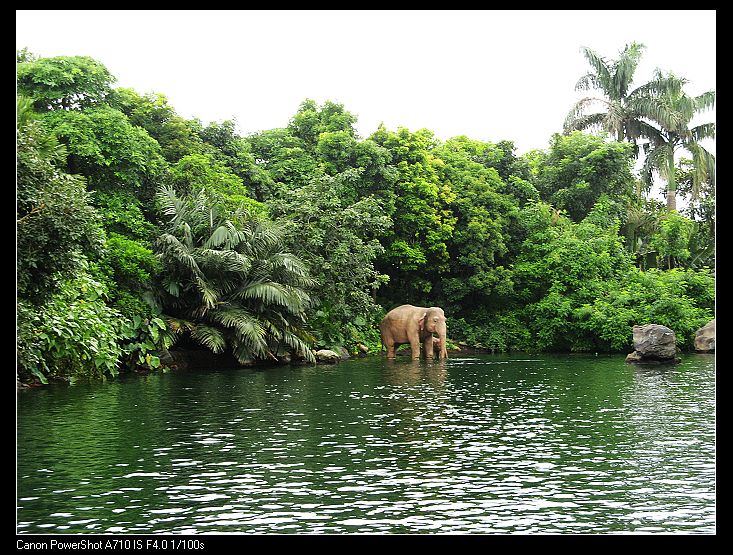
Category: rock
[327,356]
[705,338]
[362,348]
[344,353]
[166,359]
[653,342]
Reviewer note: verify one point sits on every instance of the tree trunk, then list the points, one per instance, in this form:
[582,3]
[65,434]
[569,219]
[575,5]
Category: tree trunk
[671,184]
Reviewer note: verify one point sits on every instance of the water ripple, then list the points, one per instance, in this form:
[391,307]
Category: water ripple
[472,445]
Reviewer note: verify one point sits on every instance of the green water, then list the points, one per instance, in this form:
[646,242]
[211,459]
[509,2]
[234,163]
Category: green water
[480,444]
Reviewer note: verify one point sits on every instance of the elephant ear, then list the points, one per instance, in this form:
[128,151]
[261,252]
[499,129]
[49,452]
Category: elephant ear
[421,322]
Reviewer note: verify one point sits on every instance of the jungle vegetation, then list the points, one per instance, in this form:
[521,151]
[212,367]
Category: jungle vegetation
[140,231]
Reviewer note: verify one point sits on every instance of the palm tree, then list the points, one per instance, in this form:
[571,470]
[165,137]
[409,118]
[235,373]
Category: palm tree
[642,223]
[227,282]
[624,114]
[676,134]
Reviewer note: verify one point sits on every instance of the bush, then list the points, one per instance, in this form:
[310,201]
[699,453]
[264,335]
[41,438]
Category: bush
[75,335]
[651,297]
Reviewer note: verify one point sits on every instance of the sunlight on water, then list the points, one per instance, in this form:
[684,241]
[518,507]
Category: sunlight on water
[484,444]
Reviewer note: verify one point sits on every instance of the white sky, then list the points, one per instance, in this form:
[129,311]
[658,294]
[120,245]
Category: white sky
[491,75]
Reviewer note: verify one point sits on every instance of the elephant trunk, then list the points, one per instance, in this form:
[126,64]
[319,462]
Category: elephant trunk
[442,333]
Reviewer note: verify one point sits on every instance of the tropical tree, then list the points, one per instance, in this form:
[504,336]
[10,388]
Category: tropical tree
[227,283]
[416,247]
[108,150]
[63,82]
[484,217]
[339,240]
[623,112]
[675,135]
[579,168]
[641,225]
[701,209]
[176,136]
[55,219]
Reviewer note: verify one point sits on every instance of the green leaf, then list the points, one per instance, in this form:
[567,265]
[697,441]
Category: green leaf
[38,374]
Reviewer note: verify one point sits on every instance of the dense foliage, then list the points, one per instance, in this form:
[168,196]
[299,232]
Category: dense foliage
[139,231]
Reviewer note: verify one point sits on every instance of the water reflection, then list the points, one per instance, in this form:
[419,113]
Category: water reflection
[475,444]
[413,372]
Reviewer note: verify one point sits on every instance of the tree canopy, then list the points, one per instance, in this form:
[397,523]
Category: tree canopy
[139,230]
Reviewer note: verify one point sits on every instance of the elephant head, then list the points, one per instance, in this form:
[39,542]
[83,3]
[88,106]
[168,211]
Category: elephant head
[433,322]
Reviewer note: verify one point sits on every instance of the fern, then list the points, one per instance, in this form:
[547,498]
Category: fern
[230,280]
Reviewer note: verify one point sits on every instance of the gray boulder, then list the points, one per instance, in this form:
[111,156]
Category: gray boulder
[653,343]
[166,359]
[705,338]
[327,356]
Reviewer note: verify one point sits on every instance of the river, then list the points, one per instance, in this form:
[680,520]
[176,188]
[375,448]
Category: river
[494,444]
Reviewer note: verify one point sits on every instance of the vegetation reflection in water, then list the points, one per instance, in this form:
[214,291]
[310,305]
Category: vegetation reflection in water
[485,444]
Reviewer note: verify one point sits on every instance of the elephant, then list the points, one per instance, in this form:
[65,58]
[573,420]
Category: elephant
[414,325]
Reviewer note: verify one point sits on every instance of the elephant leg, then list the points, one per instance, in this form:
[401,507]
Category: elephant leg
[414,340]
[428,347]
[388,343]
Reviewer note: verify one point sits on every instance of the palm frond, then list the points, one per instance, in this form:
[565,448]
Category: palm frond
[209,337]
[209,294]
[232,316]
[222,261]
[218,238]
[179,325]
[625,67]
[258,239]
[640,129]
[225,235]
[656,162]
[267,292]
[231,277]
[704,167]
[172,287]
[587,82]
[290,269]
[600,67]
[704,131]
[661,113]
[660,85]
[298,346]
[249,342]
[170,249]
[706,101]
[590,122]
[576,118]
[290,262]
[170,205]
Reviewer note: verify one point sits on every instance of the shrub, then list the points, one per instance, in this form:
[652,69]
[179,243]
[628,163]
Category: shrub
[75,335]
